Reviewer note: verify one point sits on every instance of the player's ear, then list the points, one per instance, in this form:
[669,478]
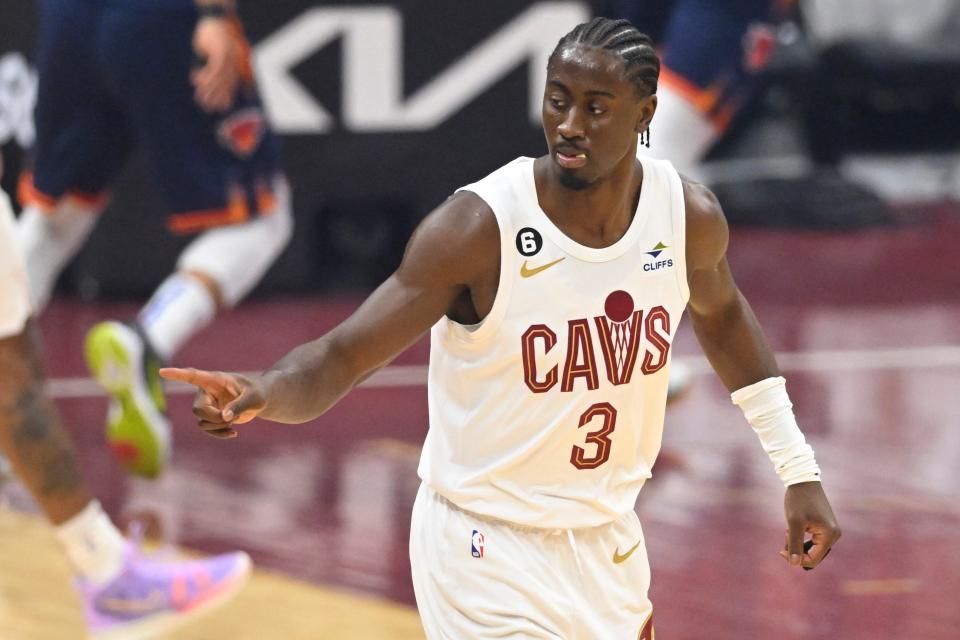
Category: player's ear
[647,107]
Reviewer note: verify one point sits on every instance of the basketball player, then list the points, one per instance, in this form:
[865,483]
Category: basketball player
[124,593]
[173,76]
[553,288]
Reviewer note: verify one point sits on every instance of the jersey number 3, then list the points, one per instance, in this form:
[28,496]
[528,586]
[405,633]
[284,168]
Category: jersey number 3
[600,438]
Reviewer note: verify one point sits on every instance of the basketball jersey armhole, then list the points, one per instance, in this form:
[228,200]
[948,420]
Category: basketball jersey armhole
[478,333]
[678,214]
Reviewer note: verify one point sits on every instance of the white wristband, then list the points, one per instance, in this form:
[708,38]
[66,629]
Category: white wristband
[768,409]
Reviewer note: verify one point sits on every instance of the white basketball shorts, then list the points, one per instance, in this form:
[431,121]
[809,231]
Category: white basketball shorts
[477,578]
[14,292]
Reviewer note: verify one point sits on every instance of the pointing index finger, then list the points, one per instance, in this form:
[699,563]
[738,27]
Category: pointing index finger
[196,377]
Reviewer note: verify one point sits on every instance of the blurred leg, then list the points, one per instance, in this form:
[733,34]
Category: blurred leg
[219,176]
[219,268]
[82,140]
[31,435]
[114,579]
[49,240]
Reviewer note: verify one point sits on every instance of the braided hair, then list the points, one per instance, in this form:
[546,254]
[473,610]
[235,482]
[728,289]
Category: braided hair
[620,38]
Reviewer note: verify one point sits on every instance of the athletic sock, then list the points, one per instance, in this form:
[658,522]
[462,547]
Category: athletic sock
[180,307]
[93,544]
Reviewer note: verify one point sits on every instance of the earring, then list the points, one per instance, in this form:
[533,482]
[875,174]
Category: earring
[645,138]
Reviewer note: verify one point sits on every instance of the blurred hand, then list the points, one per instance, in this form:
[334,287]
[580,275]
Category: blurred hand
[215,83]
[808,511]
[222,400]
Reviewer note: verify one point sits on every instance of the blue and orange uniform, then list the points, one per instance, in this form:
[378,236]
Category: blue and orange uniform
[710,49]
[116,73]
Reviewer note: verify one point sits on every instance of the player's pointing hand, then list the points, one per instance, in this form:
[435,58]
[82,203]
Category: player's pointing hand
[222,400]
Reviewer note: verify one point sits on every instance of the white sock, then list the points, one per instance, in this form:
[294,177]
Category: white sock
[48,241]
[178,309]
[93,544]
[679,132]
[159,502]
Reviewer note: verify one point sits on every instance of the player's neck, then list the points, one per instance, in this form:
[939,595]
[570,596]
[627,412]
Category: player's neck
[597,215]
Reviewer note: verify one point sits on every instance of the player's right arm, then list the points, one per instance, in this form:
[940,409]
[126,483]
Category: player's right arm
[453,249]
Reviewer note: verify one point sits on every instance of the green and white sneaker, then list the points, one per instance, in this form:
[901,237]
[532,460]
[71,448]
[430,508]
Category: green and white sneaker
[137,429]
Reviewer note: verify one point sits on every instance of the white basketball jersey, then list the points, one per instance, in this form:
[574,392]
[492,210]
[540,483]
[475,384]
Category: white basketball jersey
[549,413]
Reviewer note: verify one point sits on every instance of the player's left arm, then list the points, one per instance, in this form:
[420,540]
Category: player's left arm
[737,349]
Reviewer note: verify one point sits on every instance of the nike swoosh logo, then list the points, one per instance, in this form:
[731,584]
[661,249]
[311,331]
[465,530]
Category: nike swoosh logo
[527,272]
[617,558]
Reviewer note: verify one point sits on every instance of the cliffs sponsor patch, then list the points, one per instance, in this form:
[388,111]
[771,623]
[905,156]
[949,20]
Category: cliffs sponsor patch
[658,263]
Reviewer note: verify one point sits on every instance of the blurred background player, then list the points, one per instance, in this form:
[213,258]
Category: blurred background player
[174,77]
[704,79]
[711,54]
[118,585]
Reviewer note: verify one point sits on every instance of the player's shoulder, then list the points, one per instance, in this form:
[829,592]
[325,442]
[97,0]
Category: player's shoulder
[707,231]
[461,233]
[500,187]
[507,171]
[464,213]
[700,202]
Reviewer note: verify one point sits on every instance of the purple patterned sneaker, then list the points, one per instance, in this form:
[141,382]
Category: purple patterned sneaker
[154,595]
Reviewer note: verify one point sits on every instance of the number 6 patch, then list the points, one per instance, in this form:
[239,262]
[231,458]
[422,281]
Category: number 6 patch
[529,242]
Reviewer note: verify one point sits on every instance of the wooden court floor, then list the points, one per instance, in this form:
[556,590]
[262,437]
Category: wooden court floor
[38,603]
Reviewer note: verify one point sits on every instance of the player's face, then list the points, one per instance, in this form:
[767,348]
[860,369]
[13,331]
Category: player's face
[591,115]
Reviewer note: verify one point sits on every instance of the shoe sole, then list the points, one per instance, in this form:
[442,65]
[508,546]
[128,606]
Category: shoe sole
[137,432]
[167,622]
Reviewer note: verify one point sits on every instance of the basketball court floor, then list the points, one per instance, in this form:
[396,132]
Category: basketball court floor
[867,328]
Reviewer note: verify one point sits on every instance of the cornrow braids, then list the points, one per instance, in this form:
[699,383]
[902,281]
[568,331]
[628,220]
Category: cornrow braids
[620,38]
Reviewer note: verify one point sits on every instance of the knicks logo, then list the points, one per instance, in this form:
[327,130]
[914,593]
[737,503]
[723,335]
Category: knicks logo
[242,131]
[619,332]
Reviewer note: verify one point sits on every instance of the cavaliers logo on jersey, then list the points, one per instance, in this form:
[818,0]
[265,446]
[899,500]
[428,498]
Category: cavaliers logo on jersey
[619,330]
[242,131]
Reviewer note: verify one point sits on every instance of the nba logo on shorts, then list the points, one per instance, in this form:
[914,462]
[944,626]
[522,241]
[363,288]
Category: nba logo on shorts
[476,544]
